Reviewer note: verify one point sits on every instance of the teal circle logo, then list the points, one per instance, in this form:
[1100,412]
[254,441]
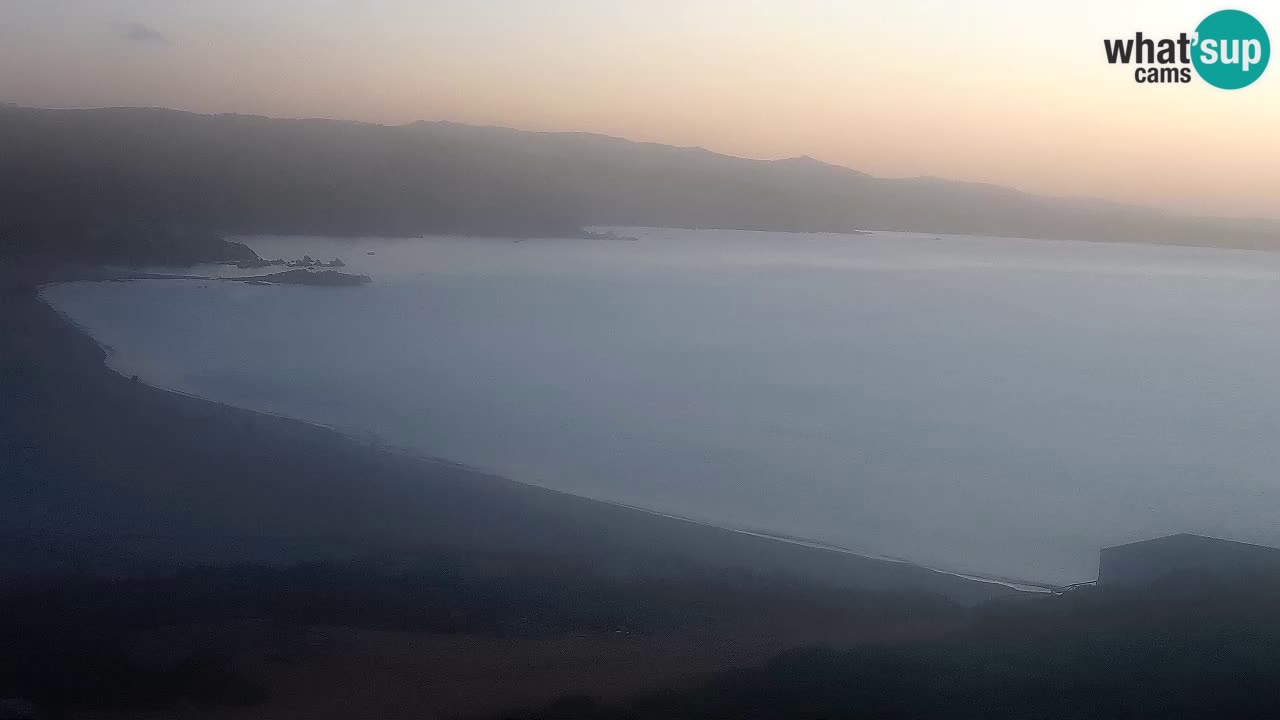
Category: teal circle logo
[1232,49]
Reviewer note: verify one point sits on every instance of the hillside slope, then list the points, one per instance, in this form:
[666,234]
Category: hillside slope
[84,179]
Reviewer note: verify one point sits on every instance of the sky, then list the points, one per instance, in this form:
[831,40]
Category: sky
[1013,92]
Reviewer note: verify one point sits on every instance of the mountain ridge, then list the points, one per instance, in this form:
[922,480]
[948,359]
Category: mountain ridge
[80,179]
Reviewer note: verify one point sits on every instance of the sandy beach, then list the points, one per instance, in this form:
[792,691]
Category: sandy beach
[155,476]
[108,478]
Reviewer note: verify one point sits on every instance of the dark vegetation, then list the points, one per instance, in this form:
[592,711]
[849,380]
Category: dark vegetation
[1193,646]
[89,643]
[124,184]
[492,594]
[121,490]
[130,511]
[330,278]
[1189,646]
[63,236]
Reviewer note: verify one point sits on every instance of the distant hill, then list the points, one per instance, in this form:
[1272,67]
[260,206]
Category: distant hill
[83,180]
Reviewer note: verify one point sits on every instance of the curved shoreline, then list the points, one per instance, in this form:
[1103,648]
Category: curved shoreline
[1017,584]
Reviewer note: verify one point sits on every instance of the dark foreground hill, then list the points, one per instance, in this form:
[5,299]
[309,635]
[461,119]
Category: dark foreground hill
[84,181]
[162,553]
[1199,645]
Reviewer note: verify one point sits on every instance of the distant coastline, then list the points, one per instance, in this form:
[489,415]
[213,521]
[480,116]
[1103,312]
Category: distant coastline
[313,177]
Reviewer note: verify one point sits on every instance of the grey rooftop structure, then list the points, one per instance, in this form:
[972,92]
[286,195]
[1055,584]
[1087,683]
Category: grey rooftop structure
[1146,561]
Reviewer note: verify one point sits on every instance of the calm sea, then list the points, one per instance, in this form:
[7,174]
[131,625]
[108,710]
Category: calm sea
[979,405]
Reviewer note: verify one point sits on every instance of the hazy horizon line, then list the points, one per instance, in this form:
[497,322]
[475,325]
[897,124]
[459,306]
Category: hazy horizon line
[590,133]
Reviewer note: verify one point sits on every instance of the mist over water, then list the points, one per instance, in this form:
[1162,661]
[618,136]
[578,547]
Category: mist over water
[982,405]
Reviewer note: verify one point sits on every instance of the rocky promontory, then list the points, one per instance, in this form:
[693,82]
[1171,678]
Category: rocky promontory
[326,278]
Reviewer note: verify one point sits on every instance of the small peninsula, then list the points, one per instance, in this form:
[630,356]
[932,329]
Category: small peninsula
[326,278]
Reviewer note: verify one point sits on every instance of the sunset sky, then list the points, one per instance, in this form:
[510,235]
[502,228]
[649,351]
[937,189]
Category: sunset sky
[1011,92]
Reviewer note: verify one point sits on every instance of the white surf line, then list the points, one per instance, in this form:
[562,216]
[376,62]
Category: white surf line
[1016,584]
[1012,583]
[352,435]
